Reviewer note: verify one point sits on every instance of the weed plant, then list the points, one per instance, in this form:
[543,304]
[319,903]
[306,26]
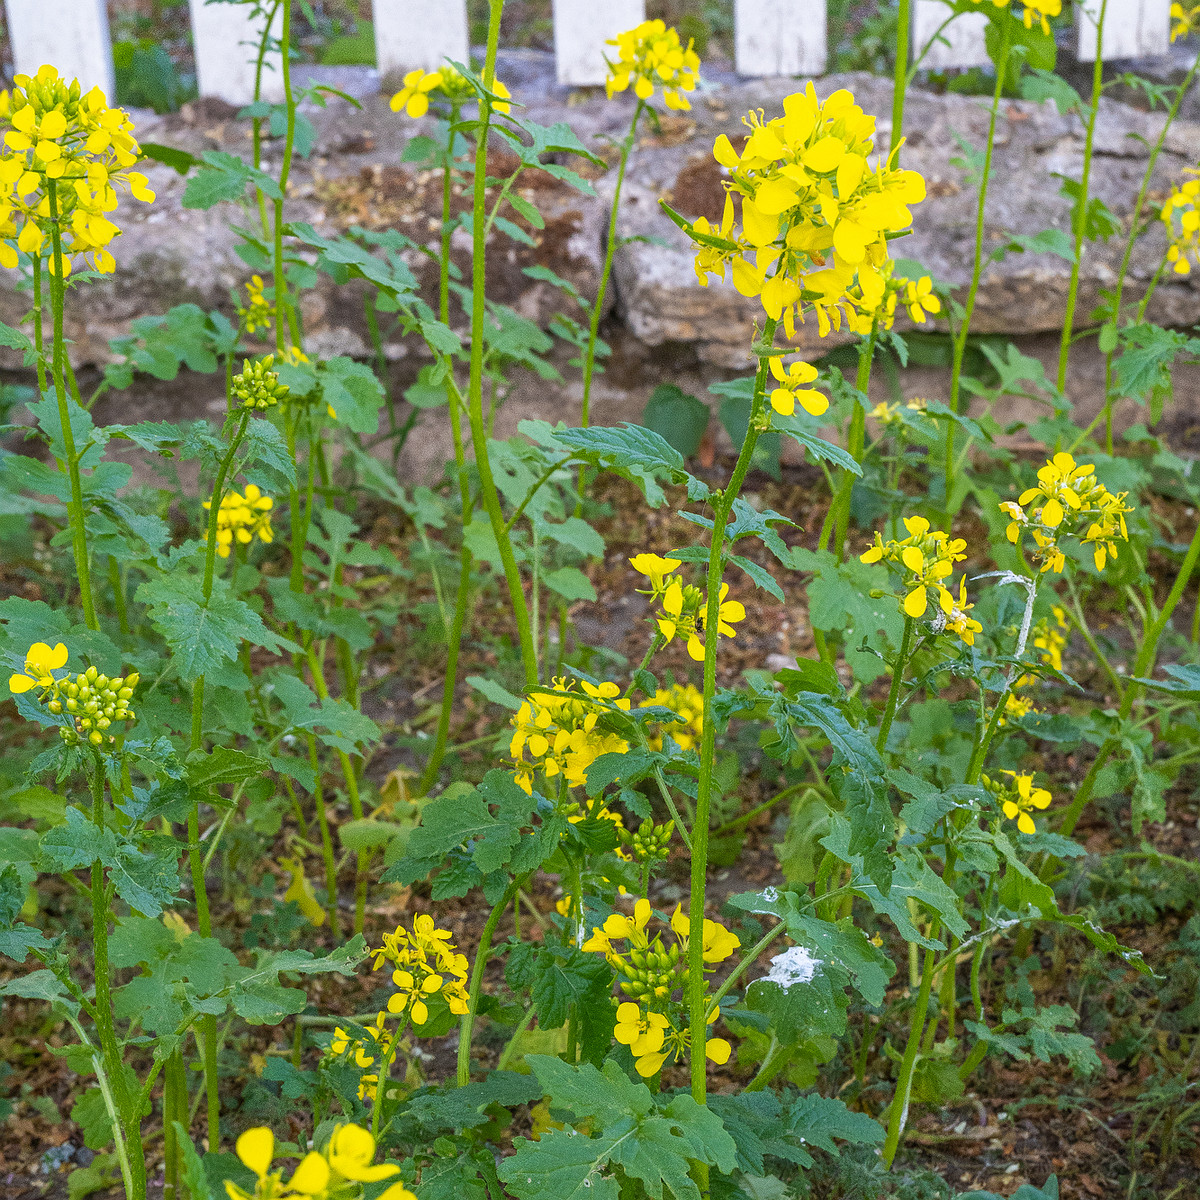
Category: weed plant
[190,687]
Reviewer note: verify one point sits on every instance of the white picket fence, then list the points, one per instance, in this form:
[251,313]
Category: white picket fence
[772,37]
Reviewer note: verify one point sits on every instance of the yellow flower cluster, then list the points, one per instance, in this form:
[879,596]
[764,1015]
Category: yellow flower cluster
[1018,798]
[66,152]
[242,518]
[414,96]
[1050,637]
[258,313]
[1068,500]
[683,610]
[815,216]
[686,701]
[1035,11]
[927,557]
[91,701]
[331,1173]
[652,1023]
[560,730]
[1181,216]
[888,414]
[649,56]
[365,1055]
[425,963]
[1184,21]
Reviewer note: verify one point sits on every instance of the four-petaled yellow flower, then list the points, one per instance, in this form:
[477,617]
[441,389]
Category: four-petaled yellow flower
[40,664]
[1018,798]
[927,557]
[644,1034]
[242,518]
[1184,21]
[920,299]
[791,388]
[651,56]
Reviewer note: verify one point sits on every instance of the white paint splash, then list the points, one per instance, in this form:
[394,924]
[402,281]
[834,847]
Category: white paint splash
[795,965]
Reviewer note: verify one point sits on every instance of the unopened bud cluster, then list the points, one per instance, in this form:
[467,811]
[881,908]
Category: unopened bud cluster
[257,386]
[654,971]
[93,701]
[649,842]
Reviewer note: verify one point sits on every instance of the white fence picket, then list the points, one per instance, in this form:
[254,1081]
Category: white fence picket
[72,35]
[771,38]
[418,33]
[959,44]
[1132,28]
[581,27]
[226,40]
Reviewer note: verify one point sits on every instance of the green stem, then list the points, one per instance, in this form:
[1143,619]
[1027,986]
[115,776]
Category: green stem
[855,442]
[898,1112]
[482,953]
[106,1032]
[589,355]
[326,838]
[900,77]
[475,414]
[75,507]
[893,700]
[1079,216]
[289,141]
[960,342]
[722,505]
[39,340]
[1143,665]
[118,591]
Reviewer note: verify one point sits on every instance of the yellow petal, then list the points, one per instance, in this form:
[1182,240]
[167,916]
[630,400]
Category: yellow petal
[916,602]
[1052,514]
[311,1176]
[255,1148]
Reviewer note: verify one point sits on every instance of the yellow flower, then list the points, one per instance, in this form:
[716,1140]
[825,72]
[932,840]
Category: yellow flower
[686,701]
[926,557]
[651,56]
[258,313]
[1039,10]
[1185,20]
[242,518]
[955,611]
[643,1034]
[1181,217]
[791,389]
[64,140]
[719,942]
[919,299]
[413,98]
[1018,798]
[815,215]
[655,568]
[350,1154]
[40,664]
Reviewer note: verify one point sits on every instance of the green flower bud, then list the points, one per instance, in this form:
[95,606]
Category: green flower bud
[257,386]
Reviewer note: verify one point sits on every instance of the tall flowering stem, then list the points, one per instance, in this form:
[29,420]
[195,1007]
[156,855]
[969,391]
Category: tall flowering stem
[900,71]
[964,329]
[697,1007]
[1081,205]
[58,371]
[475,413]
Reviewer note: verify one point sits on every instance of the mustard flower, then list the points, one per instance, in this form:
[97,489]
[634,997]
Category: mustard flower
[920,300]
[1018,798]
[687,702]
[420,85]
[1181,216]
[559,728]
[258,313]
[926,557]
[40,664]
[643,1033]
[651,56]
[1184,21]
[1034,11]
[242,518]
[60,138]
[815,214]
[791,388]
[425,964]
[1068,500]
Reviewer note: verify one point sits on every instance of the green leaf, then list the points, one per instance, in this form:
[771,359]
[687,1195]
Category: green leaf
[221,765]
[677,417]
[637,454]
[819,1119]
[1184,681]
[169,156]
[494,692]
[570,583]
[336,722]
[354,393]
[818,447]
